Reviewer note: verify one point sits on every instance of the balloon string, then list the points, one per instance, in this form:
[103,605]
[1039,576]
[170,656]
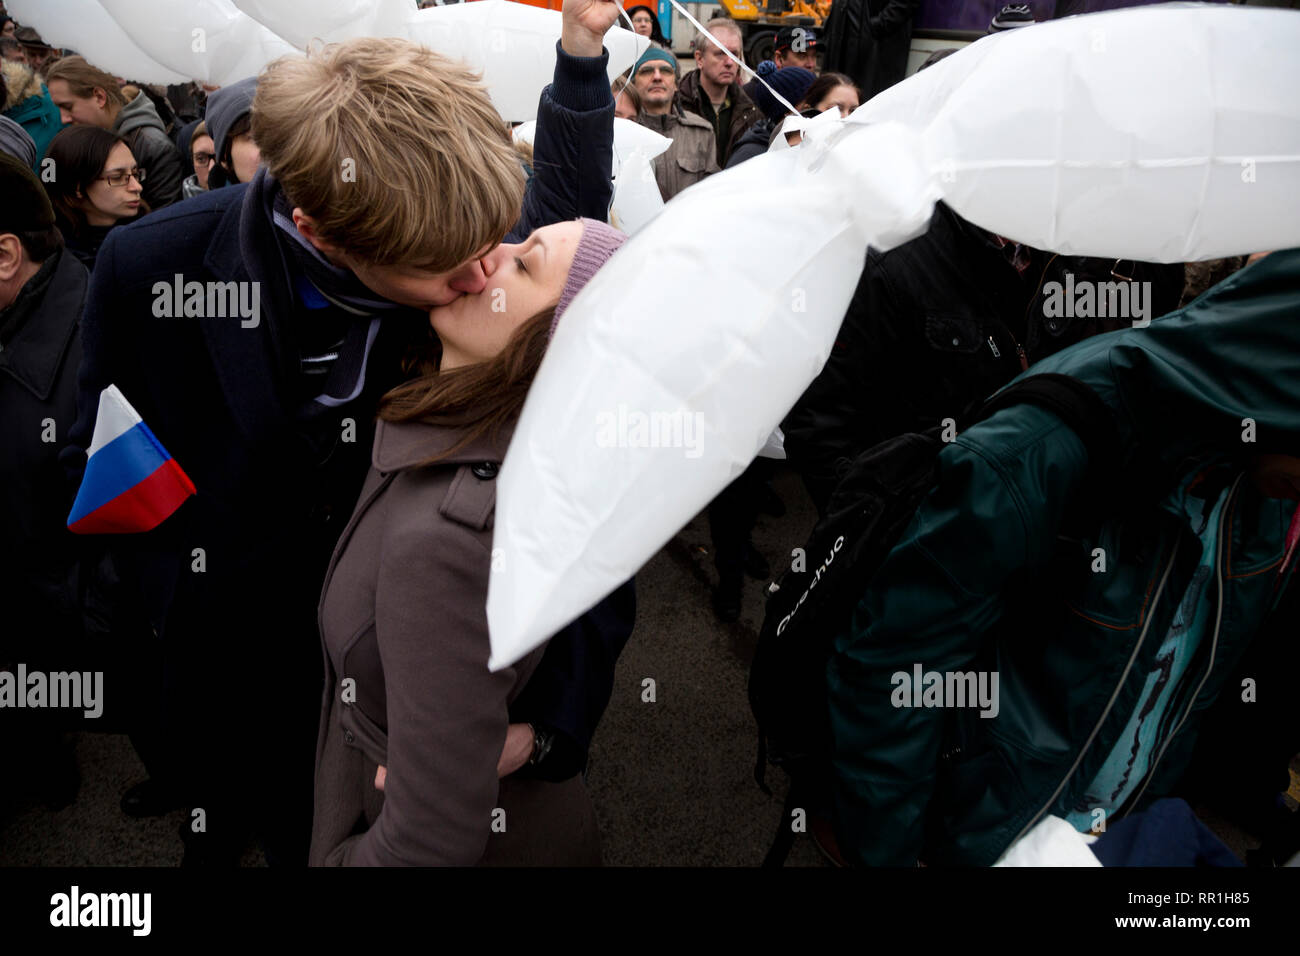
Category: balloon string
[712,39]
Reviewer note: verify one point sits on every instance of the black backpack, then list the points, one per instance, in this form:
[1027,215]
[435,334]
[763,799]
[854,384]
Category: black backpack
[812,602]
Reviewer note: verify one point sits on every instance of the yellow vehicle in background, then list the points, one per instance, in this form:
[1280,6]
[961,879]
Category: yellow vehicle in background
[760,19]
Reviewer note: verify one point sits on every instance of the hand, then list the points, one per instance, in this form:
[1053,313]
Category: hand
[518,748]
[585,23]
[380,776]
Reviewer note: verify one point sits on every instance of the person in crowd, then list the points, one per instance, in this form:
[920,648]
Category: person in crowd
[712,89]
[869,41]
[1111,591]
[201,149]
[645,23]
[939,323]
[793,83]
[627,100]
[428,717]
[796,46]
[39,53]
[88,96]
[271,413]
[693,153]
[27,102]
[11,49]
[98,186]
[41,294]
[158,97]
[15,142]
[229,121]
[831,90]
[8,27]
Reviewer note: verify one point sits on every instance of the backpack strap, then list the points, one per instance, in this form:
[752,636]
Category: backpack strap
[1069,399]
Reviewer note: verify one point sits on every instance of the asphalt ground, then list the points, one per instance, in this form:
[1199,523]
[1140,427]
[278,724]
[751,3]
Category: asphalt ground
[671,778]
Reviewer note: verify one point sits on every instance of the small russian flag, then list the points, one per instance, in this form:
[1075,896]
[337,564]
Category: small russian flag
[131,484]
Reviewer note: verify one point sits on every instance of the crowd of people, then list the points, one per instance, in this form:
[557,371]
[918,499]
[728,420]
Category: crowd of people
[300,650]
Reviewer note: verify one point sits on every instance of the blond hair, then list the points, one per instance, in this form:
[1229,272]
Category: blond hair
[83,79]
[395,152]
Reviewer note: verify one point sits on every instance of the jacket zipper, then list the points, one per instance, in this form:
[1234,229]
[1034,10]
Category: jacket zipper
[1214,644]
[1151,616]
[1020,349]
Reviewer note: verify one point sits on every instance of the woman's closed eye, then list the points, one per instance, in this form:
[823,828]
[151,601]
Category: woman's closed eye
[520,264]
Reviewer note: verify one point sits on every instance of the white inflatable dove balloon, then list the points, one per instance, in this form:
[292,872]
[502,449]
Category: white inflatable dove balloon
[513,46]
[330,20]
[85,26]
[208,40]
[1158,133]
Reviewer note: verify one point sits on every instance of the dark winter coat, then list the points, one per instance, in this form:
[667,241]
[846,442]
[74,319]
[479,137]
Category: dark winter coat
[241,564]
[934,326]
[40,349]
[869,41]
[744,112]
[754,143]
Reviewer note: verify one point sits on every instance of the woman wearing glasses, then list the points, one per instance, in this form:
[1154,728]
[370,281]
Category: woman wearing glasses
[93,185]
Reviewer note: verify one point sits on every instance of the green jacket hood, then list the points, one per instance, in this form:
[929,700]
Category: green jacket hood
[1216,379]
[138,114]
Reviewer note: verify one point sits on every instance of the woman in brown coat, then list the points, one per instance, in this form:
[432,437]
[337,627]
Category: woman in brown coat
[413,722]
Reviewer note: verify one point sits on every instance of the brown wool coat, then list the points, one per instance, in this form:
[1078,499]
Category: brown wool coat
[402,615]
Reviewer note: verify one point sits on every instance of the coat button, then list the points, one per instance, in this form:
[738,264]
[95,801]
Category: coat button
[347,736]
[956,342]
[486,470]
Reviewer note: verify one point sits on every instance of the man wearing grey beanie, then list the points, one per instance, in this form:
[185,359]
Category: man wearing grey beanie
[15,142]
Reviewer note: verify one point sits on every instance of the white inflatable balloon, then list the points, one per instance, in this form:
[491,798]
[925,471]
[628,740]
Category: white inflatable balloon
[674,364]
[209,40]
[513,46]
[330,20]
[628,138]
[86,27]
[637,199]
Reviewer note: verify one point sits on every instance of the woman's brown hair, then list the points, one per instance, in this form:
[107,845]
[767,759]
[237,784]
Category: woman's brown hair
[482,398]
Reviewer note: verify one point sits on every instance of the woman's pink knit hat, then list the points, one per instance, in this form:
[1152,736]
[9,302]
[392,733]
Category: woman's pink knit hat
[599,241]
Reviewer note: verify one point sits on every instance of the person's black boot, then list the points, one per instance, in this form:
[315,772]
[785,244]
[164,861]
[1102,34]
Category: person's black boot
[756,565]
[726,599]
[149,799]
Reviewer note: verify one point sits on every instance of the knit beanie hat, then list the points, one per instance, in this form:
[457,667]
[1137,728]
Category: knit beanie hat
[792,82]
[599,241]
[26,207]
[15,142]
[656,53]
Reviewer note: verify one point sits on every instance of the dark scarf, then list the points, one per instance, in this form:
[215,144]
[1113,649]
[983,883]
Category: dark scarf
[328,314]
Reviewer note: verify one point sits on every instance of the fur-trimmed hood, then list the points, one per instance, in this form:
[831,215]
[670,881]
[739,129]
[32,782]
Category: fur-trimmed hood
[21,83]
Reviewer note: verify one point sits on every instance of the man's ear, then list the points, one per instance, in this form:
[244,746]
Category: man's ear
[101,98]
[307,229]
[11,256]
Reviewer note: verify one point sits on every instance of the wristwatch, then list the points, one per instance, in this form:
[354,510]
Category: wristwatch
[542,741]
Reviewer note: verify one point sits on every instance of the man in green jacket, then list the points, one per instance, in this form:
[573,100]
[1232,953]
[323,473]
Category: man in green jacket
[1046,635]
